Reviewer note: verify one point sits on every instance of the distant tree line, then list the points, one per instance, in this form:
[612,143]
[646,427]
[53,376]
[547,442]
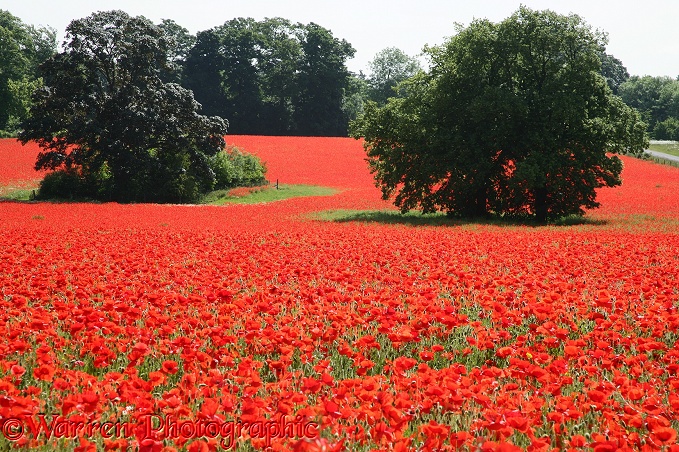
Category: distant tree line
[275,77]
[657,99]
[271,77]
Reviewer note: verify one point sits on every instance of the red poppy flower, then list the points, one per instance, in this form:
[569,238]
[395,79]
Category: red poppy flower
[44,372]
[18,370]
[170,367]
[663,436]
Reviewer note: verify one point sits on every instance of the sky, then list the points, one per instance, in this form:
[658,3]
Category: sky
[643,34]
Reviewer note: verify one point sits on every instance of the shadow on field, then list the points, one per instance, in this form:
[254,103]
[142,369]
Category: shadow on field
[441,219]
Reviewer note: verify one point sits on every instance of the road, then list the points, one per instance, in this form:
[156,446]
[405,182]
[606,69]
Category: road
[661,155]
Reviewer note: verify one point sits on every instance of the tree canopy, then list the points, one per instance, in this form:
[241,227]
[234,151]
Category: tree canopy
[657,99]
[513,118]
[22,49]
[180,43]
[106,114]
[271,77]
[388,68]
[613,71]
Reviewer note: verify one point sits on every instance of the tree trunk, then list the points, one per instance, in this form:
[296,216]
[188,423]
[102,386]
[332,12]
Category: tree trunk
[479,204]
[541,204]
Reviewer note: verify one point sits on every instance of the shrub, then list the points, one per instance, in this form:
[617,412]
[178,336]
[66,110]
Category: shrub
[235,168]
[667,130]
[61,184]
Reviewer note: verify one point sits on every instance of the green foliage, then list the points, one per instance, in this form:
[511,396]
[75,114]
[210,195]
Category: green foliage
[234,168]
[613,71]
[180,44]
[355,97]
[20,91]
[667,129]
[22,49]
[321,82]
[105,111]
[656,98]
[387,69]
[271,77]
[62,184]
[513,119]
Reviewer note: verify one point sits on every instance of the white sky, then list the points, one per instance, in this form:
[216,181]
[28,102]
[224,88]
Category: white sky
[643,34]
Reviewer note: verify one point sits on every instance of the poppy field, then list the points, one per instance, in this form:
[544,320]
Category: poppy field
[272,327]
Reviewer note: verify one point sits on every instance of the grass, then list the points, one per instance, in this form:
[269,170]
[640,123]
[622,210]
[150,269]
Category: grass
[667,147]
[254,195]
[384,217]
[16,194]
[436,219]
[242,195]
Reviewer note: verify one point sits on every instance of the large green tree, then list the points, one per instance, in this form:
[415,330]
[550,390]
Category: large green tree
[513,118]
[245,70]
[105,113]
[22,49]
[271,77]
[321,82]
